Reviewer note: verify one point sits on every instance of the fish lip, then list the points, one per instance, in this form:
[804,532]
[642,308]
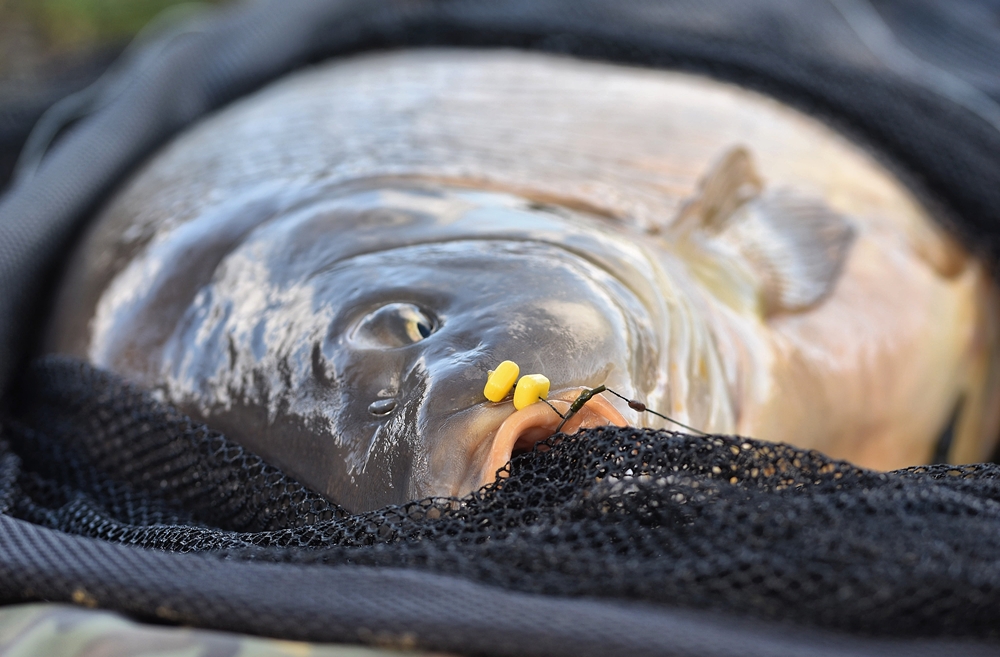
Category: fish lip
[510,433]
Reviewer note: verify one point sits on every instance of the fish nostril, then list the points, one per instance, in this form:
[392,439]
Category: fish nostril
[382,406]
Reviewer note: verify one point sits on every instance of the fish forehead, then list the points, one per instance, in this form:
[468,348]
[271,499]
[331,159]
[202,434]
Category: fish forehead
[377,215]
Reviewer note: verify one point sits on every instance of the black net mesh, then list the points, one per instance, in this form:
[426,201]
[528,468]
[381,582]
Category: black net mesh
[713,522]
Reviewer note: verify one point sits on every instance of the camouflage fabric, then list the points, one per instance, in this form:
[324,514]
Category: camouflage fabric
[56,630]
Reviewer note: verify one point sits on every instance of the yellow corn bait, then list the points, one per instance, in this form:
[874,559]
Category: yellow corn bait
[530,389]
[501,380]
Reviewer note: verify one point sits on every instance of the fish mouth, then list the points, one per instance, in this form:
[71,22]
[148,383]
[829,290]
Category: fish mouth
[524,428]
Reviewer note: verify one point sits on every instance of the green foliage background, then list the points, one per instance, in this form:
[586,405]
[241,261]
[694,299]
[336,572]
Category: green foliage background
[72,23]
[38,29]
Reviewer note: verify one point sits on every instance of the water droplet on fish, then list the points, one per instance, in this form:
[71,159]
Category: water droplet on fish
[382,406]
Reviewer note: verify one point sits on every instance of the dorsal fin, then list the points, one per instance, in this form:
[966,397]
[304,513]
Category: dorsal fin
[732,181]
[794,246]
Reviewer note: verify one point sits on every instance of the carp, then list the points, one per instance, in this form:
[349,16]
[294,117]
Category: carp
[328,269]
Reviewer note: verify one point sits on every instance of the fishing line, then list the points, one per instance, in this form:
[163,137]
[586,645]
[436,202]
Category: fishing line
[549,404]
[637,405]
[634,404]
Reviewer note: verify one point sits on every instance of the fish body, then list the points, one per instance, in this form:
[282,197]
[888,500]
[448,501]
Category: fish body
[328,269]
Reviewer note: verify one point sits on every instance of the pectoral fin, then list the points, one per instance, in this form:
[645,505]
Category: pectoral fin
[794,246]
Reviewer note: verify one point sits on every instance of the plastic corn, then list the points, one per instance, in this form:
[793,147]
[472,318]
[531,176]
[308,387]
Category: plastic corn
[530,389]
[501,380]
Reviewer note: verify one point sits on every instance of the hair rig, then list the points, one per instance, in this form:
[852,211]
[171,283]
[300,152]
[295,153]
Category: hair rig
[534,388]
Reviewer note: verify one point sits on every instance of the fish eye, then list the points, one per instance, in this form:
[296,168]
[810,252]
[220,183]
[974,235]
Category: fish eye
[394,325]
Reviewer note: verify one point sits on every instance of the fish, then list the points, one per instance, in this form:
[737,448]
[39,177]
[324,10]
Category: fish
[328,270]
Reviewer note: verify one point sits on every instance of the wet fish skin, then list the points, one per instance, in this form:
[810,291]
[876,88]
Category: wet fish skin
[753,271]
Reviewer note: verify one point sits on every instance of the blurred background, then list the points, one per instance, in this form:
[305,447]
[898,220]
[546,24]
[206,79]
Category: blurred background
[51,48]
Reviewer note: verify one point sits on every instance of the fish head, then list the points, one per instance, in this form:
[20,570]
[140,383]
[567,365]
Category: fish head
[418,334]
[347,338]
